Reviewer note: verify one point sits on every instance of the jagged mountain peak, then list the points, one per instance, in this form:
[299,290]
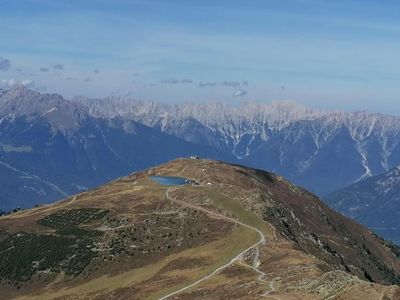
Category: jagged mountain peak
[20,100]
[19,91]
[19,88]
[60,113]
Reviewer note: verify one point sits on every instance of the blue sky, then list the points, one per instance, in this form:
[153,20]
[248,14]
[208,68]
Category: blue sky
[342,54]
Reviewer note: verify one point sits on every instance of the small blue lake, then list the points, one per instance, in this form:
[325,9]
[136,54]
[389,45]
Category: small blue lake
[165,180]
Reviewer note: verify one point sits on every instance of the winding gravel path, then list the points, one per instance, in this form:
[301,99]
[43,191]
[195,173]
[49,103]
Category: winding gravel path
[233,260]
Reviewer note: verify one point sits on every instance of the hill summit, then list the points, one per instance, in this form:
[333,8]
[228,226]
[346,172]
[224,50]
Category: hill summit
[193,229]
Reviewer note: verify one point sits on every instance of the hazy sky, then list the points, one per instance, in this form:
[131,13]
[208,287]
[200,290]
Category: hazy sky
[341,54]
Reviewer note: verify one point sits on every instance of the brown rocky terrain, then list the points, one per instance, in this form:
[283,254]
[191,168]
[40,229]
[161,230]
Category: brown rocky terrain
[235,233]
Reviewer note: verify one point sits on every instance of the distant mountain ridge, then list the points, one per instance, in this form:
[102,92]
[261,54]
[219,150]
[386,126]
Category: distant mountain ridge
[51,147]
[374,202]
[318,149]
[75,144]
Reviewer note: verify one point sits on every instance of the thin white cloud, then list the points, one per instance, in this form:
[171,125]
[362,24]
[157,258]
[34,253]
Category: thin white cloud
[58,67]
[239,93]
[173,80]
[230,83]
[8,82]
[12,82]
[28,83]
[205,84]
[170,81]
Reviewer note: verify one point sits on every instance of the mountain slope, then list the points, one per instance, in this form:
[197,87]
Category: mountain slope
[237,233]
[51,147]
[374,202]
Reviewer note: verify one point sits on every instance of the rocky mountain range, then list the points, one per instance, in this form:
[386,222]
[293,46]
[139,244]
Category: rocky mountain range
[320,150]
[51,146]
[374,202]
